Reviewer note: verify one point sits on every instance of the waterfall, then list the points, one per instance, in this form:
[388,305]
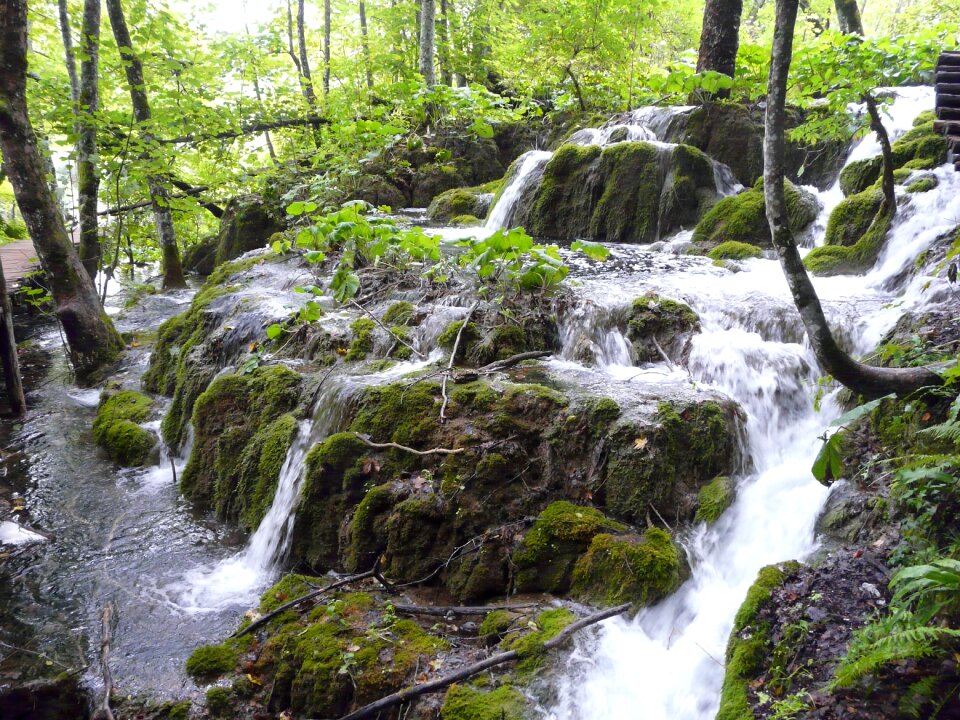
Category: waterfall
[529,169]
[666,663]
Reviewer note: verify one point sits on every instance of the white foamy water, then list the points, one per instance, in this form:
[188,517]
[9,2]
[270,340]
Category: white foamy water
[666,663]
[530,165]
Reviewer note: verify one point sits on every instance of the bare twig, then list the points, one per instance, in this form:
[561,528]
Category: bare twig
[453,356]
[392,334]
[433,686]
[106,635]
[661,517]
[453,610]
[666,359]
[434,451]
[514,360]
[263,620]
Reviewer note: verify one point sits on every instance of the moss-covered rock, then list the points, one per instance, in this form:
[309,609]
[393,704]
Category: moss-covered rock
[742,218]
[362,330]
[201,257]
[714,498]
[657,323]
[923,184]
[749,643]
[242,431]
[116,428]
[626,192]
[472,202]
[733,250]
[463,702]
[635,569]
[545,558]
[247,224]
[854,238]
[211,661]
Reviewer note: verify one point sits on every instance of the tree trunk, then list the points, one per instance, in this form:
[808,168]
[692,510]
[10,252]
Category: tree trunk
[427,27]
[68,57]
[719,40]
[169,253]
[90,335]
[8,352]
[305,74]
[256,90]
[326,46]
[365,43]
[88,174]
[866,380]
[446,74]
[849,16]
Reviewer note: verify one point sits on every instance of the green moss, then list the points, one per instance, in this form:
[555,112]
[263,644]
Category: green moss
[368,528]
[398,413]
[468,339]
[500,343]
[219,701]
[211,661]
[458,205]
[924,184]
[623,569]
[714,498]
[529,646]
[860,175]
[402,339]
[768,579]
[733,250]
[545,558]
[238,450]
[476,396]
[836,259]
[362,343]
[466,221]
[496,623]
[465,703]
[655,322]
[921,148]
[400,313]
[117,431]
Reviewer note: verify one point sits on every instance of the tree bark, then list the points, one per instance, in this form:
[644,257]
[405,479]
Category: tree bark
[365,43]
[871,382]
[92,340]
[719,40]
[427,29]
[69,60]
[848,13]
[326,47]
[8,352]
[446,75]
[88,174]
[305,74]
[171,267]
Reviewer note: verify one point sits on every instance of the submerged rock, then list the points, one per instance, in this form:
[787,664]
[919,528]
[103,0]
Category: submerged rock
[117,430]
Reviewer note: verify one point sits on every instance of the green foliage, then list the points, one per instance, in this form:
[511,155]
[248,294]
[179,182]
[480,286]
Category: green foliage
[828,465]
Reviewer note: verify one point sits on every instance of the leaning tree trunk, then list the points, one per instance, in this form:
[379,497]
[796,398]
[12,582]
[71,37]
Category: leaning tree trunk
[90,335]
[866,380]
[719,40]
[169,253]
[88,174]
[427,28]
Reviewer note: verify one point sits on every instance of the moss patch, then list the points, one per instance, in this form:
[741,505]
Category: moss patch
[628,569]
[362,330]
[657,323]
[924,184]
[211,661]
[852,222]
[465,703]
[545,558]
[733,250]
[117,431]
[714,498]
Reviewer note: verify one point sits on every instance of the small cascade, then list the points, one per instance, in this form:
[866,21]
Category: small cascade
[666,123]
[529,170]
[666,663]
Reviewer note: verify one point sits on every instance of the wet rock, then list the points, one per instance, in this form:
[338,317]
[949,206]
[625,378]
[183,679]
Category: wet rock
[117,430]
[658,326]
[475,202]
[55,699]
[247,224]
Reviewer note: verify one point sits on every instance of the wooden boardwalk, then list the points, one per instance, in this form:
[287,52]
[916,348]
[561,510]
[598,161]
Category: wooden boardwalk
[19,258]
[948,101]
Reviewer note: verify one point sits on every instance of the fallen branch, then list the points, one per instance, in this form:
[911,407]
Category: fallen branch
[384,327]
[665,357]
[264,619]
[453,356]
[499,659]
[106,635]
[454,610]
[434,451]
[509,362]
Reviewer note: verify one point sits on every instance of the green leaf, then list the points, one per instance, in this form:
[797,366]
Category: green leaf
[594,251]
[848,418]
[829,463]
[274,331]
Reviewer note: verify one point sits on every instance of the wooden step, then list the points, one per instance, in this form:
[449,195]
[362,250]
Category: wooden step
[946,113]
[948,88]
[948,59]
[947,127]
[948,76]
[950,101]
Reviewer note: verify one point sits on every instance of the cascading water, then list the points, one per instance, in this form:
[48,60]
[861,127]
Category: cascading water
[666,663]
[529,168]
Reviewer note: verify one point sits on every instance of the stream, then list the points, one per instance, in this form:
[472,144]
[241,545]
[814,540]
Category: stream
[178,581]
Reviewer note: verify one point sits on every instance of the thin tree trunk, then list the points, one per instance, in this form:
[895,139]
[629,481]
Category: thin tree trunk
[88,174]
[308,91]
[8,352]
[326,46]
[427,29]
[849,17]
[169,252]
[90,335]
[69,59]
[576,88]
[719,40]
[365,43]
[446,75]
[256,90]
[869,381]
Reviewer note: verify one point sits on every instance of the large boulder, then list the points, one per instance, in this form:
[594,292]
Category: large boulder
[247,224]
[460,202]
[631,192]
